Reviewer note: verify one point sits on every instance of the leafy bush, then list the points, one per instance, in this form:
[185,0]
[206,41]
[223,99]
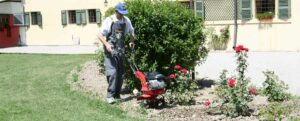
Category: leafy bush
[167,34]
[181,89]
[235,92]
[218,42]
[274,88]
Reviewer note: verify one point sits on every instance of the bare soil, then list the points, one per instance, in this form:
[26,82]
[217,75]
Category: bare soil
[93,82]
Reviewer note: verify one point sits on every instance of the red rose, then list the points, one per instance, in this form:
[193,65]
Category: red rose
[177,67]
[184,71]
[252,91]
[239,48]
[246,49]
[207,103]
[231,82]
[172,76]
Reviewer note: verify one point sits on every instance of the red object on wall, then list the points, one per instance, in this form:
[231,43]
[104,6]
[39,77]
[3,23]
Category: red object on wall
[9,34]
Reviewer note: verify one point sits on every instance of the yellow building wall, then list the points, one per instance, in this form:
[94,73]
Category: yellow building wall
[275,35]
[53,32]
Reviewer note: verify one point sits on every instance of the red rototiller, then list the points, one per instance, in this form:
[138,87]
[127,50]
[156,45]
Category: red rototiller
[152,86]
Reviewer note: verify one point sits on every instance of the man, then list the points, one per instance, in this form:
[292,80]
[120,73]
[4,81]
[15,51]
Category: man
[112,35]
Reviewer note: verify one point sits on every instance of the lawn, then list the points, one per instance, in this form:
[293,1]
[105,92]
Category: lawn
[34,88]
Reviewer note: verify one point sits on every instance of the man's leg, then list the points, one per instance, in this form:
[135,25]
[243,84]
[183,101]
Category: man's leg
[112,81]
[111,73]
[120,77]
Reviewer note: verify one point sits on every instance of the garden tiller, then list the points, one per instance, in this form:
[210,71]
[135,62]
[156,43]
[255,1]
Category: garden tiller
[153,86]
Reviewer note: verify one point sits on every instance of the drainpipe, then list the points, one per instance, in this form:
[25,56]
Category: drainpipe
[235,23]
[23,27]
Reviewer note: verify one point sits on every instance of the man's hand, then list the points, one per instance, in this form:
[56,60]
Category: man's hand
[131,44]
[108,47]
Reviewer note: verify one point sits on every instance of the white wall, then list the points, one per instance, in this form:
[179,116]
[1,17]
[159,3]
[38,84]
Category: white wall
[275,35]
[53,32]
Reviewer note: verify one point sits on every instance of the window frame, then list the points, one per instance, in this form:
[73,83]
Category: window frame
[92,16]
[72,16]
[263,9]
[34,18]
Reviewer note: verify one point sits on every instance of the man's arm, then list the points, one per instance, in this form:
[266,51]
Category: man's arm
[104,42]
[104,30]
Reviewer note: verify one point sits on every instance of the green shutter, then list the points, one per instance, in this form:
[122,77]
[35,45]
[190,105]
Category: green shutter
[27,21]
[39,18]
[83,16]
[200,8]
[64,17]
[98,16]
[245,9]
[78,17]
[284,9]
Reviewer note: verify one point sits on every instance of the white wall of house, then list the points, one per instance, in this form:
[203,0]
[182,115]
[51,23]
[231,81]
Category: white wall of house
[52,32]
[275,35]
[11,7]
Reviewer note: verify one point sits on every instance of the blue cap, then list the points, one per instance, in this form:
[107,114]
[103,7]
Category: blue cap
[121,8]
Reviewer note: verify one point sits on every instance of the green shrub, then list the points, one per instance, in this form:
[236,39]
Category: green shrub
[167,34]
[274,88]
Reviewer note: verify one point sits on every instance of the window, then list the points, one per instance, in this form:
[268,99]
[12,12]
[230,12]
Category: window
[265,6]
[187,4]
[34,18]
[18,19]
[72,17]
[92,15]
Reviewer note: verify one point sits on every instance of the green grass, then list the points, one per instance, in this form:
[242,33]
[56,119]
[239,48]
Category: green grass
[34,88]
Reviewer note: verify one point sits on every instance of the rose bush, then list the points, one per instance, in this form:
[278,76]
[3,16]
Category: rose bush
[235,94]
[181,88]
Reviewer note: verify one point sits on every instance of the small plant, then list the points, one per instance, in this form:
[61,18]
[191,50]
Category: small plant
[218,42]
[99,57]
[234,91]
[266,15]
[75,76]
[274,88]
[78,68]
[182,88]
[275,111]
